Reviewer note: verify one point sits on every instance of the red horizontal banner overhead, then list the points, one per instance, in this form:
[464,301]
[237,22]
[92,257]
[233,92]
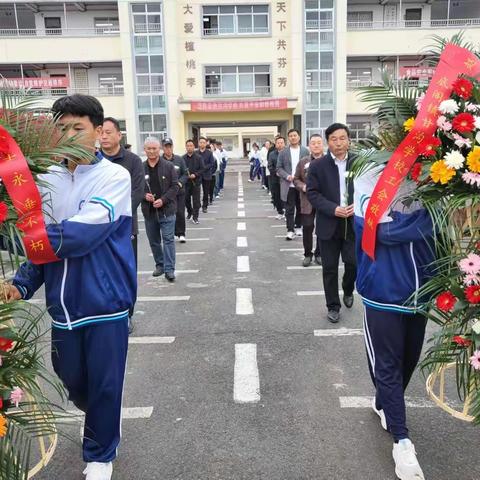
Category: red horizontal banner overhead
[39,82]
[239,105]
[417,72]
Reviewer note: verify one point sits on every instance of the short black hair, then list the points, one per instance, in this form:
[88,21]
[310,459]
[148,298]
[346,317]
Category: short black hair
[190,141]
[293,130]
[202,138]
[218,142]
[115,122]
[278,137]
[334,127]
[127,146]
[314,135]
[80,105]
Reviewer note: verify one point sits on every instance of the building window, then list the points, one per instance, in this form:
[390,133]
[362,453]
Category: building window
[53,25]
[235,19]
[110,83]
[237,79]
[358,77]
[106,25]
[360,127]
[360,19]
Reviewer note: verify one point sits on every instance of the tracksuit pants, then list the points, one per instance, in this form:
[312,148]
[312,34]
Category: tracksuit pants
[394,343]
[91,361]
[292,210]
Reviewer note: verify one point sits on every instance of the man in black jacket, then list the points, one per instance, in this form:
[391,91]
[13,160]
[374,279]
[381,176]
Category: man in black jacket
[181,168]
[274,178]
[195,168]
[116,153]
[330,191]
[159,207]
[210,167]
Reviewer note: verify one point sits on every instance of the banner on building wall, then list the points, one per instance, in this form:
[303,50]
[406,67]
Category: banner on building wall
[417,72]
[39,82]
[239,105]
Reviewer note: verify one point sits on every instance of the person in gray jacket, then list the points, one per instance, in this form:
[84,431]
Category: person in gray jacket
[287,163]
[182,172]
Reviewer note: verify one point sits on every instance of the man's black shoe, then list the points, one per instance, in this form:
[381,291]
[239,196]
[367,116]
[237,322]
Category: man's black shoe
[333,316]
[131,326]
[157,272]
[189,216]
[170,276]
[318,260]
[348,301]
[307,261]
[195,221]
[204,209]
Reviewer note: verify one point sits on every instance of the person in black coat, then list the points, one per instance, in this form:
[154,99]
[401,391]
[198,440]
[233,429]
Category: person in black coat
[181,168]
[159,207]
[274,178]
[330,191]
[210,167]
[112,150]
[195,168]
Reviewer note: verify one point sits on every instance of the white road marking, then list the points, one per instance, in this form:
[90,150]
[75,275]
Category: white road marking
[242,242]
[241,206]
[150,340]
[277,226]
[130,413]
[246,379]
[177,272]
[338,332]
[291,249]
[311,293]
[300,267]
[241,226]
[189,253]
[243,264]
[204,239]
[244,304]
[171,298]
[366,402]
[209,219]
[241,213]
[192,229]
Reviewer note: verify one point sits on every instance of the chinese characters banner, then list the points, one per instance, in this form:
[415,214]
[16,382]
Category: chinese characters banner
[240,105]
[454,61]
[39,82]
[23,191]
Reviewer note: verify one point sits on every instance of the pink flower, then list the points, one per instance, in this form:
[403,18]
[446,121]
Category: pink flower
[443,123]
[475,360]
[16,396]
[471,107]
[1,361]
[471,264]
[471,178]
[462,141]
[471,279]
[418,102]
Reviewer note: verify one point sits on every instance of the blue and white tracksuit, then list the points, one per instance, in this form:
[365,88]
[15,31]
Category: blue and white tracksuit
[88,292]
[394,324]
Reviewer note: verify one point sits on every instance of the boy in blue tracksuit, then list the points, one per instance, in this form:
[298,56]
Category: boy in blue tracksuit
[393,322]
[90,290]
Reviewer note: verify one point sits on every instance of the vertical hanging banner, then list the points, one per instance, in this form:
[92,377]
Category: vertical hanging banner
[26,199]
[454,61]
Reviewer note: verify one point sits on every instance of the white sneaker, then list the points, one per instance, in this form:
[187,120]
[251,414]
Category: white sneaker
[290,236]
[182,239]
[280,216]
[381,414]
[298,232]
[406,463]
[98,471]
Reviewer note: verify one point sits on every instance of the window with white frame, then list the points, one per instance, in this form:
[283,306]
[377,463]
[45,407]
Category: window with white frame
[235,19]
[362,19]
[359,126]
[237,79]
[110,83]
[358,77]
[106,25]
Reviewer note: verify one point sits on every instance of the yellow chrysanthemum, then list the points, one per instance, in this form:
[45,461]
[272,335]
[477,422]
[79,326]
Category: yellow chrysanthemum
[440,172]
[408,124]
[3,426]
[473,160]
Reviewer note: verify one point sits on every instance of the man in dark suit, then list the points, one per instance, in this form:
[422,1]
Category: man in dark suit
[195,168]
[330,191]
[287,163]
[207,174]
[159,208]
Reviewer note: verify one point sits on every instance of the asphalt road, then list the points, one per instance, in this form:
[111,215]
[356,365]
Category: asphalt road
[256,396]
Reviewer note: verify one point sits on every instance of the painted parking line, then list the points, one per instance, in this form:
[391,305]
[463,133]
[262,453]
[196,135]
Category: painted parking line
[243,264]
[150,340]
[244,302]
[190,253]
[339,332]
[241,213]
[192,229]
[291,249]
[242,242]
[171,298]
[277,226]
[241,226]
[204,239]
[300,267]
[366,402]
[128,413]
[177,272]
[246,381]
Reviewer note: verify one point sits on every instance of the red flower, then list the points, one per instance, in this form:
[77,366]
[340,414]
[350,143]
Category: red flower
[416,171]
[446,301]
[428,147]
[473,293]
[5,344]
[463,88]
[3,212]
[461,341]
[464,122]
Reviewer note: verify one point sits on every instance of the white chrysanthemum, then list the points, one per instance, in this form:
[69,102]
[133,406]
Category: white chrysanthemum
[477,123]
[454,159]
[476,326]
[448,106]
[477,138]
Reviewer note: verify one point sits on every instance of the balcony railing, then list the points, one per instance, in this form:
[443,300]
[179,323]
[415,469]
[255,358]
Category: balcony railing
[319,85]
[60,92]
[233,31]
[389,25]
[352,84]
[319,24]
[217,91]
[64,32]
[147,28]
